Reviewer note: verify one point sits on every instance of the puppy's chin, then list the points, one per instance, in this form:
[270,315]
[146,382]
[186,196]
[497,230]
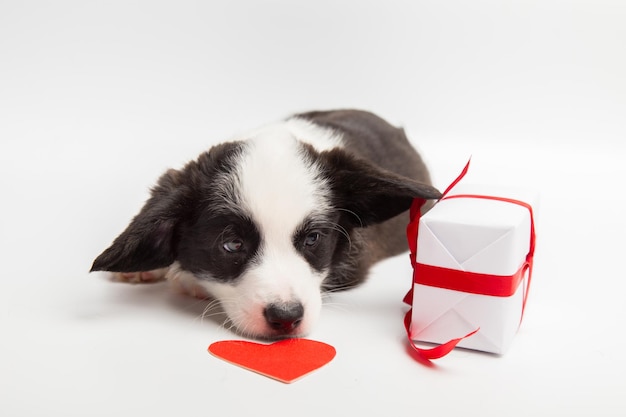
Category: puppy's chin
[248,320]
[264,332]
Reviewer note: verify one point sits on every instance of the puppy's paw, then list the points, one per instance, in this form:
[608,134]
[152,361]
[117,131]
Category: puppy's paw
[185,283]
[144,277]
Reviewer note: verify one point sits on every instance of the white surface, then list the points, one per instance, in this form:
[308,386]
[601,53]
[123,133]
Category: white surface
[95,101]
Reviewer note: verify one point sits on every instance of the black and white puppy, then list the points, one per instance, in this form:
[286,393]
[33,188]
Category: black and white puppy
[270,221]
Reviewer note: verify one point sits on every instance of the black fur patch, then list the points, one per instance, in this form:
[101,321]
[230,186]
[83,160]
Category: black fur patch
[202,251]
[319,252]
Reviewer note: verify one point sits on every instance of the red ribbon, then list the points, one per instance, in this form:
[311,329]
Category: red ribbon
[470,282]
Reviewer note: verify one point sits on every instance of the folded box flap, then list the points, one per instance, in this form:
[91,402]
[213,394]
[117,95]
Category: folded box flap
[451,245]
[504,255]
[441,315]
[435,252]
[476,235]
[434,304]
[453,324]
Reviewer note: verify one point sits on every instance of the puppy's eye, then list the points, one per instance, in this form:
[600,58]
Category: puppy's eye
[233,246]
[311,239]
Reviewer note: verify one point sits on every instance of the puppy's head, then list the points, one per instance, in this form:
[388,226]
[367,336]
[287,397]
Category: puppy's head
[262,228]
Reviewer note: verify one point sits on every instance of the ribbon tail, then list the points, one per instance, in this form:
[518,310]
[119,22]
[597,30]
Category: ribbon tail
[408,298]
[529,268]
[457,179]
[441,350]
[438,351]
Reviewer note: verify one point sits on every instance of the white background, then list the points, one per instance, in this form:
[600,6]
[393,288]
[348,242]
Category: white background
[98,98]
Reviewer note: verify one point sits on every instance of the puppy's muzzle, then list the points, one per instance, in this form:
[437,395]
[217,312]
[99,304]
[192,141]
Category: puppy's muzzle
[284,317]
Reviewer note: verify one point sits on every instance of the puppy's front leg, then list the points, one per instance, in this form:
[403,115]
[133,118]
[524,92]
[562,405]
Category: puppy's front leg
[143,277]
[185,282]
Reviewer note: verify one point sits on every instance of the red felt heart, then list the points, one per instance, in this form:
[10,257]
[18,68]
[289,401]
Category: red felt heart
[286,360]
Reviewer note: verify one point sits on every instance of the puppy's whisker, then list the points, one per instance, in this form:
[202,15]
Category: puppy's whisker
[338,228]
[213,305]
[330,291]
[353,214]
[343,307]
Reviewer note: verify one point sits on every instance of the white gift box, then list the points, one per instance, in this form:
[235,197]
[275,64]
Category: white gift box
[472,267]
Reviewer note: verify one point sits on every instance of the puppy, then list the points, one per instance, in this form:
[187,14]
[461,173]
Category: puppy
[270,221]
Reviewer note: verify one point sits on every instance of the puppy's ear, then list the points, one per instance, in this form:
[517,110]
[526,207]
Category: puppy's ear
[151,240]
[370,194]
[148,241]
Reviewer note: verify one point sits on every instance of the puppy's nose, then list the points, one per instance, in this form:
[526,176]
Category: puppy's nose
[284,316]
